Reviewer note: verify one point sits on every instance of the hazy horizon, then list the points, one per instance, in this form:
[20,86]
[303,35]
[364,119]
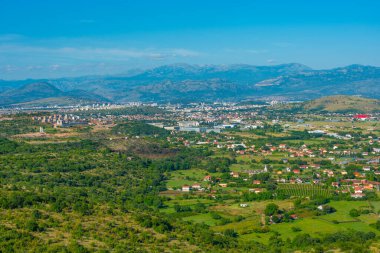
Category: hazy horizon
[135,71]
[53,39]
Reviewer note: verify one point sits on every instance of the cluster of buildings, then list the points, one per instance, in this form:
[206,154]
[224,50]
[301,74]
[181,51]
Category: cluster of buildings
[358,186]
[61,120]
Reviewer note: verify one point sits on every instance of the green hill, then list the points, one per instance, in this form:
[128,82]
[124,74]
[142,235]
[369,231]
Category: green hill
[56,101]
[43,93]
[342,103]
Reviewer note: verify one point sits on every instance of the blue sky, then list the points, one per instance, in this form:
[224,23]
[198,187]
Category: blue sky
[51,38]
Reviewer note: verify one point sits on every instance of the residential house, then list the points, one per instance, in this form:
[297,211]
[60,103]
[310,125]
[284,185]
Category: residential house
[207,178]
[196,186]
[234,174]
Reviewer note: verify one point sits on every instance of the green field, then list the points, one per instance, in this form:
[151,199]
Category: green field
[303,190]
[202,218]
[319,225]
[248,228]
[240,167]
[181,177]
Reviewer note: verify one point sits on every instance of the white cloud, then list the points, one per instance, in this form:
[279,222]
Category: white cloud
[95,54]
[55,67]
[18,61]
[183,52]
[8,68]
[33,67]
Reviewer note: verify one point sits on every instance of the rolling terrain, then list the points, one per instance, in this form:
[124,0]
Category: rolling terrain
[182,82]
[43,93]
[343,104]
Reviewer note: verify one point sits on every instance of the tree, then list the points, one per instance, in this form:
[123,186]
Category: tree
[271,209]
[297,203]
[354,212]
[180,209]
[328,209]
[276,219]
[271,186]
[33,226]
[377,225]
[230,233]
[296,229]
[215,216]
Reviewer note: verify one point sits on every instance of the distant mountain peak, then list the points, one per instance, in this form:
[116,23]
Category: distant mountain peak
[43,90]
[208,83]
[35,87]
[298,66]
[354,67]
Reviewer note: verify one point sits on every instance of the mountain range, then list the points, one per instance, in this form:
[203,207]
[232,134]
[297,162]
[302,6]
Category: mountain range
[43,93]
[183,82]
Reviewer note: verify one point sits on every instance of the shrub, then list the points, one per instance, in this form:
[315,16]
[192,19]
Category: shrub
[215,216]
[271,209]
[354,212]
[230,233]
[296,229]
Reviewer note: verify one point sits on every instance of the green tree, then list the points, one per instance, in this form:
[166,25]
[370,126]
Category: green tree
[354,212]
[230,233]
[271,209]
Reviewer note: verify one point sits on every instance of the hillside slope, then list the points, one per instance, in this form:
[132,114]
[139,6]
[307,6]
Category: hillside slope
[343,104]
[43,93]
[183,82]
